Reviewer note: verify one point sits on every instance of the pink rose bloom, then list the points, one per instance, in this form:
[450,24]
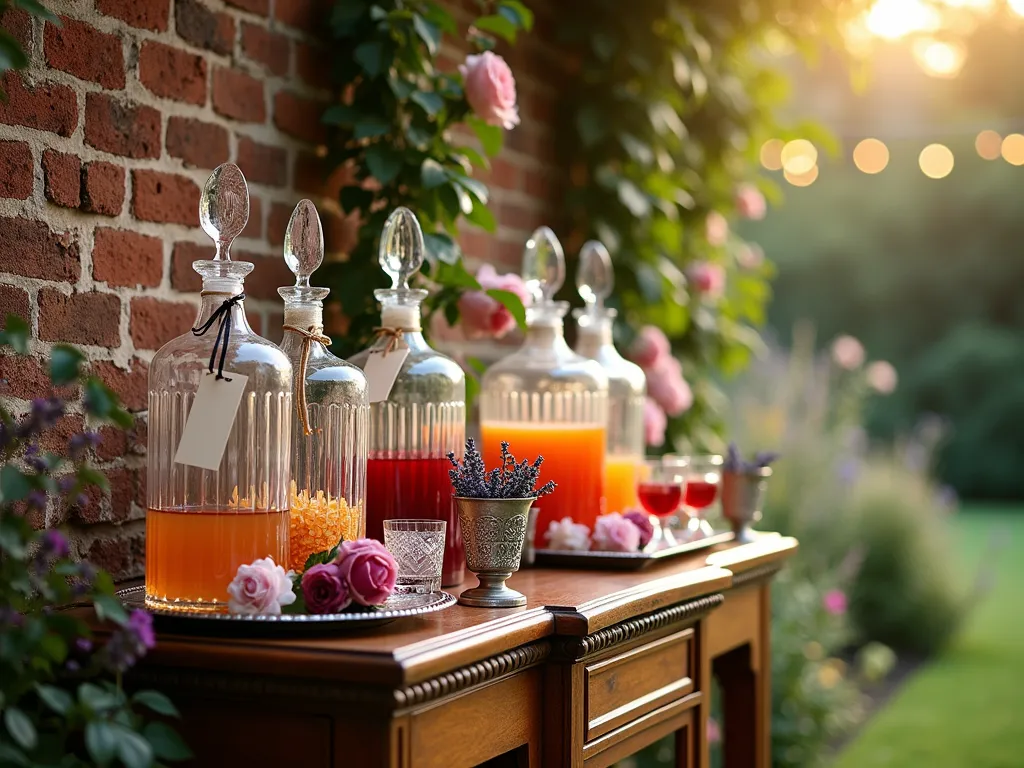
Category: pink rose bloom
[667,387]
[614,533]
[565,535]
[882,377]
[260,588]
[835,602]
[707,279]
[491,89]
[643,523]
[848,352]
[484,317]
[750,202]
[324,589]
[750,255]
[716,229]
[441,331]
[655,422]
[649,346]
[369,569]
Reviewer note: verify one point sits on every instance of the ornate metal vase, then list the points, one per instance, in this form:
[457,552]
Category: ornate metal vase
[742,497]
[493,532]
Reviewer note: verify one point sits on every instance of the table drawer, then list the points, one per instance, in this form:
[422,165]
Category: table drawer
[630,684]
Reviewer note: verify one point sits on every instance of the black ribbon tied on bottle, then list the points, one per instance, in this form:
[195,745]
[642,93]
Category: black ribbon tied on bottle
[222,314]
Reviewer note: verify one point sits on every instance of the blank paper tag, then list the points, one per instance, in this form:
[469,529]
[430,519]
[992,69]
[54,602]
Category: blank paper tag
[381,371]
[209,422]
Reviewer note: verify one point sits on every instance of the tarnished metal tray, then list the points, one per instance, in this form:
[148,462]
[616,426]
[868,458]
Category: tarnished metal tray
[398,606]
[623,561]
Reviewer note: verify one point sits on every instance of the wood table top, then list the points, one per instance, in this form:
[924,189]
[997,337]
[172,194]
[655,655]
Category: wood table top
[407,651]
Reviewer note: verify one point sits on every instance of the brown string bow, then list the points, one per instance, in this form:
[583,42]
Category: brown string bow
[394,336]
[313,333]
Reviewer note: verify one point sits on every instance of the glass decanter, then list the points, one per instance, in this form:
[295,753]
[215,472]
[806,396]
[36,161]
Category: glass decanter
[424,415]
[331,422]
[627,385]
[202,523]
[544,399]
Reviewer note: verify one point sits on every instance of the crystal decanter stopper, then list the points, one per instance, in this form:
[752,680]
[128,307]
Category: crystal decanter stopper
[543,271]
[224,208]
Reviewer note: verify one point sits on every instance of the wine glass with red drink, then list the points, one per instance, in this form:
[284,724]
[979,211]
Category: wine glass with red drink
[703,478]
[660,490]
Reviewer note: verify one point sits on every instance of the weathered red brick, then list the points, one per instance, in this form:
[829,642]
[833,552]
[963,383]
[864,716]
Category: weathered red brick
[172,73]
[103,188]
[313,65]
[310,177]
[261,7]
[83,51]
[262,163]
[121,128]
[165,197]
[340,232]
[183,277]
[29,248]
[238,95]
[155,322]
[143,14]
[56,438]
[538,184]
[81,318]
[113,443]
[130,385]
[199,144]
[15,170]
[14,301]
[138,436]
[62,178]
[254,226]
[23,376]
[45,107]
[269,275]
[124,258]
[277,223]
[299,117]
[121,551]
[265,47]
[504,174]
[204,28]
[308,15]
[18,24]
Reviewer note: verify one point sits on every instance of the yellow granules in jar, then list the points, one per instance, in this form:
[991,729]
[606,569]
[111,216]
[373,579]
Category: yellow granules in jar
[318,523]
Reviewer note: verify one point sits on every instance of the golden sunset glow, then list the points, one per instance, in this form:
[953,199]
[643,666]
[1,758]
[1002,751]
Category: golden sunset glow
[871,156]
[936,161]
[799,157]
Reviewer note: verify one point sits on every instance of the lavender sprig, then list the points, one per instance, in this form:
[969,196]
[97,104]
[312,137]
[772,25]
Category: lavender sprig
[509,480]
[735,463]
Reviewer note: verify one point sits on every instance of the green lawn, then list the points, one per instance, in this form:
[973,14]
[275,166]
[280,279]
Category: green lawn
[966,708]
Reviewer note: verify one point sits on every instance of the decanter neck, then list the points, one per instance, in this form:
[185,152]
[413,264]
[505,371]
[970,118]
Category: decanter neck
[546,336]
[211,301]
[591,340]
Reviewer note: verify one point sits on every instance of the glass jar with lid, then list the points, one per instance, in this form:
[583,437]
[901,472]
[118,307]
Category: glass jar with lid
[544,399]
[416,421]
[627,385]
[209,511]
[331,422]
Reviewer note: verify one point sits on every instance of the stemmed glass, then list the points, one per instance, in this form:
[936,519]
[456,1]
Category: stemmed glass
[660,490]
[703,478]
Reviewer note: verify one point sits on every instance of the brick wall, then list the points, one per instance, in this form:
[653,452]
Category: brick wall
[105,142]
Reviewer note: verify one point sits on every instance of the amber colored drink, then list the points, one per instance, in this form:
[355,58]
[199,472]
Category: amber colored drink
[620,478]
[573,458]
[398,489]
[192,556]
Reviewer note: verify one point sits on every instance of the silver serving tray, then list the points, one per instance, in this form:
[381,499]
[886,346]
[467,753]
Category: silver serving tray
[398,606]
[624,561]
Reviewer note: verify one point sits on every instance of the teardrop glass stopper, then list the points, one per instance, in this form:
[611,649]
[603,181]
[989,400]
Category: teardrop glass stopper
[401,247]
[224,207]
[304,243]
[543,265]
[594,276]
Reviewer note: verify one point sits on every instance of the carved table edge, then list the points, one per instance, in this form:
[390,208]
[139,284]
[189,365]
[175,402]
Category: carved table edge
[760,573]
[577,648]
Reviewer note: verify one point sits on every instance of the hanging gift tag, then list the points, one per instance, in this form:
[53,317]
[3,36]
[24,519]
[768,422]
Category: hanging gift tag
[210,420]
[382,369]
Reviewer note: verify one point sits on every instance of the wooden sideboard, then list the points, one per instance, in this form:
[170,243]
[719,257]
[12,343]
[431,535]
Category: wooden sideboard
[598,665]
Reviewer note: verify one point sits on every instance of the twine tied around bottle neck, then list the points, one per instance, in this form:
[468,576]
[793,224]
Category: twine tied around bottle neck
[223,314]
[309,335]
[394,336]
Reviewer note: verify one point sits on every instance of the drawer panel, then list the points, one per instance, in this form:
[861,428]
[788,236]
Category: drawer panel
[628,685]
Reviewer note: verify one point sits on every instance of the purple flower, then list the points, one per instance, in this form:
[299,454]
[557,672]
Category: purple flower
[36,499]
[79,444]
[54,544]
[325,590]
[641,520]
[83,645]
[834,602]
[141,623]
[44,414]
[130,642]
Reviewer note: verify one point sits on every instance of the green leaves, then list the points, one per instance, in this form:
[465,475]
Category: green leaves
[20,727]
[442,248]
[512,303]
[14,484]
[100,741]
[102,403]
[319,558]
[370,56]
[491,137]
[383,163]
[157,702]
[428,32]
[132,749]
[430,102]
[15,334]
[65,362]
[57,699]
[432,174]
[165,742]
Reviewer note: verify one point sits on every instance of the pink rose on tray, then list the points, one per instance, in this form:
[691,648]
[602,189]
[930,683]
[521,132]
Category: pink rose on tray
[369,569]
[642,521]
[565,535]
[486,317]
[260,588]
[614,533]
[325,589]
[649,346]
[491,89]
